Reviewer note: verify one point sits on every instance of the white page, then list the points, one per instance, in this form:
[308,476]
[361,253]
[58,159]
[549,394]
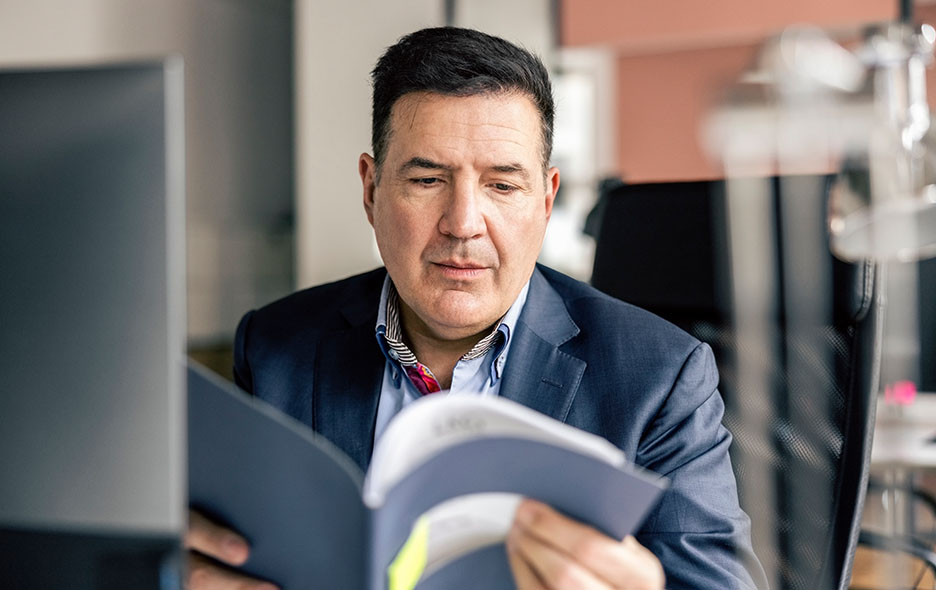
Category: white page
[434,423]
[466,523]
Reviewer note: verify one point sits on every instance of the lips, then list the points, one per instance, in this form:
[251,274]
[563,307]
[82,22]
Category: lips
[460,269]
[461,265]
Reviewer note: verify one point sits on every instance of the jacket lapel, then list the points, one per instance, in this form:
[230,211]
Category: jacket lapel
[348,375]
[538,374]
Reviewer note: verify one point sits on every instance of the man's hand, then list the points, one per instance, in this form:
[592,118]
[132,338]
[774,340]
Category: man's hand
[209,544]
[548,551]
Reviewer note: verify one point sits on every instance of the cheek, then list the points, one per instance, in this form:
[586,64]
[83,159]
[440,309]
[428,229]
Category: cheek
[401,233]
[519,234]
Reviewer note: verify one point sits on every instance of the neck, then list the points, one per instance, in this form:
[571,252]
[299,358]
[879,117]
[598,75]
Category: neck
[439,354]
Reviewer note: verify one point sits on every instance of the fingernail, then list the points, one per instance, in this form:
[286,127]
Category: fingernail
[235,548]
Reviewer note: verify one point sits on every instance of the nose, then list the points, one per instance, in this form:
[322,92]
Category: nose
[462,217]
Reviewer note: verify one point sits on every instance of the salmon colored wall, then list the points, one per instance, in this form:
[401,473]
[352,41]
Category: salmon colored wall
[629,24]
[660,103]
[675,58]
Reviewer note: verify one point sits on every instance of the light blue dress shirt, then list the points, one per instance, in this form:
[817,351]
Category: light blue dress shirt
[480,376]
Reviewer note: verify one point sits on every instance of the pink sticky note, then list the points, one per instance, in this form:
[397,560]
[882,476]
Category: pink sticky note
[900,393]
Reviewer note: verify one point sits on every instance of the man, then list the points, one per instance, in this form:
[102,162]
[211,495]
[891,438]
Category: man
[459,191]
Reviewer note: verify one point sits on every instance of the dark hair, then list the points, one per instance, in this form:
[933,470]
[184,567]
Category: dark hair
[457,62]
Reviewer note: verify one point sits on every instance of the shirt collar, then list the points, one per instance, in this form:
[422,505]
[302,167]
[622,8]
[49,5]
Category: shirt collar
[386,317]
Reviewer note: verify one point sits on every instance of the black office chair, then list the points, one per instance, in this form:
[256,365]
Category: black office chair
[803,432]
[926,270]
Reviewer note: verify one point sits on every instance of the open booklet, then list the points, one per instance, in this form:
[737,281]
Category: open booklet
[432,511]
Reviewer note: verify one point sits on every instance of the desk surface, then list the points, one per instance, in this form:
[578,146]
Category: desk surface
[906,435]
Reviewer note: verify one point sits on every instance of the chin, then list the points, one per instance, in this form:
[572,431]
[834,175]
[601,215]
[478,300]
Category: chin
[460,322]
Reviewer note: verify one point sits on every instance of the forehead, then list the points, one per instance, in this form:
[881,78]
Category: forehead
[502,124]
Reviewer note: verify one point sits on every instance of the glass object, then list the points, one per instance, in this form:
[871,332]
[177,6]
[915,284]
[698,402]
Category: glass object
[883,205]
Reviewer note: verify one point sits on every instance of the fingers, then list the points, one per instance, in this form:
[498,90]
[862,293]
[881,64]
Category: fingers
[541,566]
[207,542]
[204,574]
[558,548]
[582,543]
[524,577]
[214,540]
[646,562]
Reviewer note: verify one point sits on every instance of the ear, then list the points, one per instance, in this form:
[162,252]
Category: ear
[367,168]
[552,187]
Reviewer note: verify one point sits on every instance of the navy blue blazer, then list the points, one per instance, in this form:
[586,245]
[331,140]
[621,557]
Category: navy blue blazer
[576,355]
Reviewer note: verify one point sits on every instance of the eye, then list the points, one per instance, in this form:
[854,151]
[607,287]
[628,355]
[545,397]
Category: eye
[502,187]
[426,181]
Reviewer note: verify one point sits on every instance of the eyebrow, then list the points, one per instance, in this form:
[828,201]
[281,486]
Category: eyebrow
[512,169]
[425,163]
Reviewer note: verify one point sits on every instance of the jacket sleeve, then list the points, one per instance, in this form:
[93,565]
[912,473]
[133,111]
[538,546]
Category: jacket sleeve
[698,530]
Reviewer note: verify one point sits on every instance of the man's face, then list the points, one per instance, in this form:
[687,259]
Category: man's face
[461,207]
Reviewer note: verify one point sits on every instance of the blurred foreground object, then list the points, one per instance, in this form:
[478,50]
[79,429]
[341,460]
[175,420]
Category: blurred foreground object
[795,335]
[811,105]
[92,417]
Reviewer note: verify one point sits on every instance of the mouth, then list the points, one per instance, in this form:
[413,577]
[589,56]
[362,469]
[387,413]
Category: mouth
[460,269]
[461,264]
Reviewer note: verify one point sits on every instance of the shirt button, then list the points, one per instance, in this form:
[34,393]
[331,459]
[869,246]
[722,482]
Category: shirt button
[394,354]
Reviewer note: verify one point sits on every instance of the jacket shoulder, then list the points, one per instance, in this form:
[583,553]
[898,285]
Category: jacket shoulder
[610,319]
[285,333]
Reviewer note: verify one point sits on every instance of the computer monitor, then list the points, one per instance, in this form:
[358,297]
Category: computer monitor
[92,325]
